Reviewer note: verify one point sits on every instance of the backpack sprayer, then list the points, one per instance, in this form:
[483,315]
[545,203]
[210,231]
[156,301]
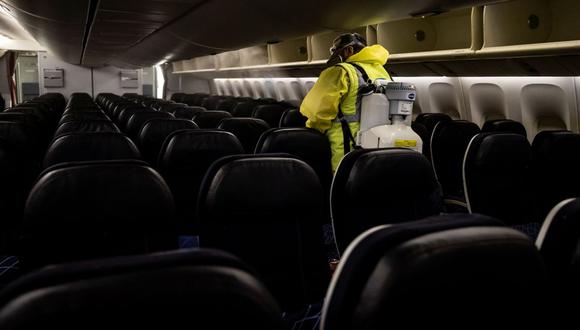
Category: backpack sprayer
[384,109]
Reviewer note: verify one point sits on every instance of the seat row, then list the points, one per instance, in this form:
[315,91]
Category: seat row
[447,269]
[496,171]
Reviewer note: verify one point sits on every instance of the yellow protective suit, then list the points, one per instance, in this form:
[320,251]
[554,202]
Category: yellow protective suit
[337,87]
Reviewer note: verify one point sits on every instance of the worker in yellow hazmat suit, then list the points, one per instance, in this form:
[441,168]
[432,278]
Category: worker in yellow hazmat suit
[333,105]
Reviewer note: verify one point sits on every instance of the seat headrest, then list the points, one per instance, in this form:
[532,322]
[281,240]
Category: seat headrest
[187,112]
[504,126]
[200,285]
[82,116]
[247,130]
[154,133]
[448,144]
[191,149]
[270,113]
[87,126]
[244,109]
[139,119]
[210,119]
[90,209]
[431,119]
[126,113]
[307,144]
[90,146]
[284,182]
[461,263]
[293,118]
[381,186]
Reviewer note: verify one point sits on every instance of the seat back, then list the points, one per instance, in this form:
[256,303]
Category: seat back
[504,126]
[381,186]
[75,147]
[440,271]
[495,176]
[148,292]
[247,130]
[267,210]
[448,144]
[87,210]
[555,164]
[184,159]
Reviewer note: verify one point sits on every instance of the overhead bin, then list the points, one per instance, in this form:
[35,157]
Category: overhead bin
[251,56]
[452,34]
[289,51]
[531,27]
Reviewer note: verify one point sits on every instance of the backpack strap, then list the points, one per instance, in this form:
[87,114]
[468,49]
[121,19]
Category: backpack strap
[348,138]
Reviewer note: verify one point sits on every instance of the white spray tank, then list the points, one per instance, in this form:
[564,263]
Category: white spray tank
[383,117]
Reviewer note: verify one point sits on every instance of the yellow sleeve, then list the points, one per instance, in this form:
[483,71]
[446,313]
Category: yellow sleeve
[320,106]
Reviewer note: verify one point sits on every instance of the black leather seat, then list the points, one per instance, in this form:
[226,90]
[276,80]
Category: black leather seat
[187,112]
[199,287]
[90,146]
[503,126]
[381,186]
[210,119]
[247,130]
[495,174]
[293,118]
[86,126]
[307,144]
[154,133]
[139,119]
[19,165]
[88,210]
[183,161]
[439,272]
[555,164]
[270,113]
[559,237]
[267,211]
[448,144]
[429,121]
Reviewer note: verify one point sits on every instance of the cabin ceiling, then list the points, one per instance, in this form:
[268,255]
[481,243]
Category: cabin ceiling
[139,33]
